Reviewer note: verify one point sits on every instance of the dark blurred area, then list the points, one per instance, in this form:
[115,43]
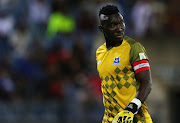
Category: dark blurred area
[48,65]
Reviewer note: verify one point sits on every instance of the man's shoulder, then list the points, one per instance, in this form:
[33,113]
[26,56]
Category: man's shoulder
[130,41]
[101,49]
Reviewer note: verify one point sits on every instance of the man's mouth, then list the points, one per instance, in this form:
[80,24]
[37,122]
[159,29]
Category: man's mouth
[119,36]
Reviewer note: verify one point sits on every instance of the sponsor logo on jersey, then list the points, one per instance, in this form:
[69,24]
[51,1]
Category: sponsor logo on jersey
[116,61]
[99,62]
[142,56]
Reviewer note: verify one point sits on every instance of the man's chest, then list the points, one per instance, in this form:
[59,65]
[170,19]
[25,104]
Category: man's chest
[113,62]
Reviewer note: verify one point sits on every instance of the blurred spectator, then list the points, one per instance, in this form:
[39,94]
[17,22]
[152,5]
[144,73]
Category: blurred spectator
[20,40]
[159,18]
[6,3]
[6,23]
[86,28]
[86,21]
[7,26]
[60,21]
[173,12]
[32,68]
[95,83]
[7,87]
[141,17]
[20,11]
[80,53]
[56,88]
[39,11]
[58,60]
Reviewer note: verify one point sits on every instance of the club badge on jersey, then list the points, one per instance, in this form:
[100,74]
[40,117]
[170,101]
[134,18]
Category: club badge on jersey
[116,61]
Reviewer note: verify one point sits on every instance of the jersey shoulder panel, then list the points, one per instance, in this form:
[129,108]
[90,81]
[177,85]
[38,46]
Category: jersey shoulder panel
[130,40]
[137,51]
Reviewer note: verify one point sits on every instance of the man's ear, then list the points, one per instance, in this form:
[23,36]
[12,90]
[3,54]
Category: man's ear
[101,28]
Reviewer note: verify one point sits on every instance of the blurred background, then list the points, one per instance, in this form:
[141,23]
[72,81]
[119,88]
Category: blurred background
[48,65]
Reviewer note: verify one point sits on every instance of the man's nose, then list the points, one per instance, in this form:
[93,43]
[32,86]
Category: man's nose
[119,27]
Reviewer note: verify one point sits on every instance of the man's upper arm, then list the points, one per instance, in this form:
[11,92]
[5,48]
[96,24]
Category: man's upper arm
[138,58]
[140,64]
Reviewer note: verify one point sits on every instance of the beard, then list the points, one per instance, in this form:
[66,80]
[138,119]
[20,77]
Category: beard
[113,41]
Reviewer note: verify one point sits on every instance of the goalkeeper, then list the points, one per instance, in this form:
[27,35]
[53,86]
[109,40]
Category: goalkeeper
[124,69]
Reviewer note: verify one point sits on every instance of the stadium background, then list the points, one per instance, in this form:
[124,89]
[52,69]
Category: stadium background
[47,58]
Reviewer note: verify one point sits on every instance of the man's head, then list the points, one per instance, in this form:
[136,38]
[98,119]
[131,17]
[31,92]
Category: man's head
[111,24]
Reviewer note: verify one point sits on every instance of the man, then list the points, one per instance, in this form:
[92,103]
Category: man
[124,70]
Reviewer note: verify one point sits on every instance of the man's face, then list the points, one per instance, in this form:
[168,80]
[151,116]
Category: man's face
[113,27]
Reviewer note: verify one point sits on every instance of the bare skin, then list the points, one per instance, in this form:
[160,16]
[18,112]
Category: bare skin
[144,78]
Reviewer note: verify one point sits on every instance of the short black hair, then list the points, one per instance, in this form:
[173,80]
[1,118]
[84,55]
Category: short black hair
[109,10]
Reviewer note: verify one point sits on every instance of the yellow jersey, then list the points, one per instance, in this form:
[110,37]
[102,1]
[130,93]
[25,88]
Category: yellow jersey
[118,83]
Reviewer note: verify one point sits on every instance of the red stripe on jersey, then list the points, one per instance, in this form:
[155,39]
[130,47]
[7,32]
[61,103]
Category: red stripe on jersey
[141,66]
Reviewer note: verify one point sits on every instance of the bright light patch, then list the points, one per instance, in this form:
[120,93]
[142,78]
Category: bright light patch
[103,17]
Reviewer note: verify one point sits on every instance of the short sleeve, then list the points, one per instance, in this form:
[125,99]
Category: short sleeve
[138,53]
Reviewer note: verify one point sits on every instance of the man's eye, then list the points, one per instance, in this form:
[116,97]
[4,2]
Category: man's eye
[112,25]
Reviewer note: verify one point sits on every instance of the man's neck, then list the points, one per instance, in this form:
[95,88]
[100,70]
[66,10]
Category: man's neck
[109,44]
